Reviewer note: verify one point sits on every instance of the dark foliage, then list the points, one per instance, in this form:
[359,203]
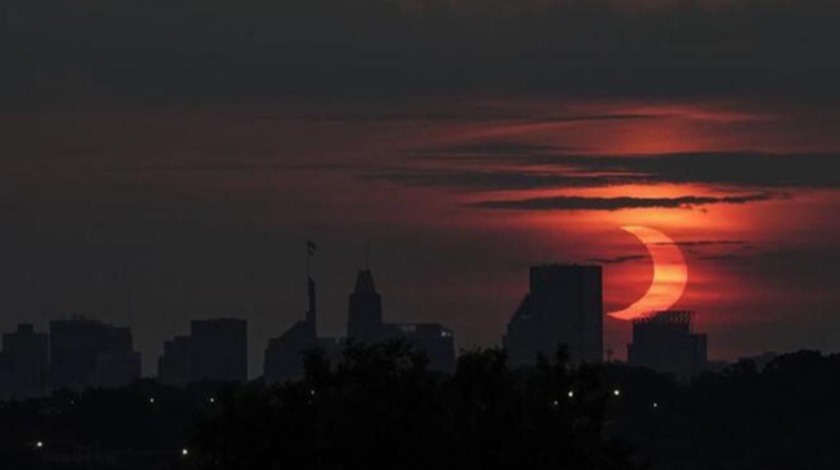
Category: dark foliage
[784,416]
[382,408]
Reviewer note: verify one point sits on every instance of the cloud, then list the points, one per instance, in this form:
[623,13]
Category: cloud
[693,243]
[733,169]
[617,260]
[485,180]
[721,168]
[573,203]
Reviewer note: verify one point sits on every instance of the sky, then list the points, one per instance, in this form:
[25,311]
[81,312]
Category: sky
[166,160]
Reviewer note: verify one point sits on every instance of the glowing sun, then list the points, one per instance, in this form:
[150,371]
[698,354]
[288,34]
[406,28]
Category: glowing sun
[670,274]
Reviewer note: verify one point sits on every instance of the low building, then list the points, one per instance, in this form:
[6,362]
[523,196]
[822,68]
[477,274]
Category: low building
[664,341]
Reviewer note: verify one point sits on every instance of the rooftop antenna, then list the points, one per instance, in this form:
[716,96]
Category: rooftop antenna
[310,284]
[609,352]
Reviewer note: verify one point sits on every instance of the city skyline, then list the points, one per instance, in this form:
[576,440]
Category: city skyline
[152,174]
[616,351]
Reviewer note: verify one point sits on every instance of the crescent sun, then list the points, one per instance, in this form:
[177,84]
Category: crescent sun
[670,274]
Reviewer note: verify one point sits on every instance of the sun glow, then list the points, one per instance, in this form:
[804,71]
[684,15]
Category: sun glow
[670,274]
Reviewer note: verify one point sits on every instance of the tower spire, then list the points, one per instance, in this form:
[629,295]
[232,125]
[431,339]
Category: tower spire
[310,284]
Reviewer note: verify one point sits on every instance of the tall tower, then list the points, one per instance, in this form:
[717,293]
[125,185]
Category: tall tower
[364,315]
[564,307]
[311,312]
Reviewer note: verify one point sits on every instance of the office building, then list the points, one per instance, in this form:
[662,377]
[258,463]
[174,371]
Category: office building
[218,350]
[24,362]
[76,345]
[563,308]
[664,342]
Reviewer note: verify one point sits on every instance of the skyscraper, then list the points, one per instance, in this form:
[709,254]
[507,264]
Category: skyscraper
[218,350]
[174,364]
[563,307]
[364,310]
[25,356]
[365,324]
[284,355]
[76,345]
[664,341]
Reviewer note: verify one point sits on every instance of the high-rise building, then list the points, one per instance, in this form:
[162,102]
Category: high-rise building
[563,307]
[364,312]
[76,345]
[664,341]
[365,324]
[218,350]
[174,364]
[284,355]
[116,369]
[25,357]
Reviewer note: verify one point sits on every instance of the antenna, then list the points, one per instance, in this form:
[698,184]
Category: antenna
[609,352]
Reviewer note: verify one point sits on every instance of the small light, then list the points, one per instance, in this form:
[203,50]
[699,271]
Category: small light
[312,392]
[616,392]
[571,394]
[212,400]
[151,400]
[39,445]
[185,452]
[655,405]
[555,403]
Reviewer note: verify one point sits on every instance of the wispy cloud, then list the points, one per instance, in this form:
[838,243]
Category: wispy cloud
[617,259]
[740,169]
[572,203]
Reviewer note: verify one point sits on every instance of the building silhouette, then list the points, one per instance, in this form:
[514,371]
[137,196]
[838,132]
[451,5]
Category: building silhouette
[116,369]
[218,350]
[284,355]
[24,363]
[364,310]
[563,307]
[174,364]
[664,342]
[215,350]
[83,351]
[365,325]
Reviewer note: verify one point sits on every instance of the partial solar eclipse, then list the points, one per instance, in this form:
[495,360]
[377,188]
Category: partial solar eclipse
[670,274]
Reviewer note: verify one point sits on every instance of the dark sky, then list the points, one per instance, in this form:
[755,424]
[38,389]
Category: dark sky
[164,160]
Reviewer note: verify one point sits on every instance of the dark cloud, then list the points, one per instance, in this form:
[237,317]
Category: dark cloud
[739,170]
[736,169]
[617,260]
[482,114]
[571,203]
[486,180]
[167,51]
[692,243]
